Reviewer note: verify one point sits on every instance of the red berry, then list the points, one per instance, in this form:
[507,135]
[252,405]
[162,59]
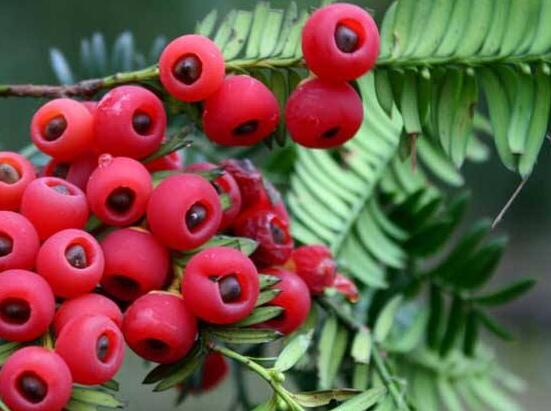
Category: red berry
[225,184]
[19,242]
[172,161]
[316,266]
[315,124]
[130,121]
[294,298]
[346,287]
[16,172]
[248,179]
[93,348]
[135,263]
[72,263]
[118,190]
[27,305]
[184,211]
[76,172]
[53,204]
[215,369]
[35,379]
[270,199]
[85,305]
[340,42]
[241,113]
[159,327]
[275,243]
[220,285]
[191,67]
[63,129]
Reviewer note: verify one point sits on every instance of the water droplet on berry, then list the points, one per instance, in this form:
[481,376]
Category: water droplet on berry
[102,348]
[230,289]
[347,39]
[55,128]
[8,174]
[121,200]
[6,245]
[247,127]
[61,170]
[332,132]
[61,189]
[188,69]
[195,216]
[278,234]
[141,122]
[76,256]
[33,388]
[15,311]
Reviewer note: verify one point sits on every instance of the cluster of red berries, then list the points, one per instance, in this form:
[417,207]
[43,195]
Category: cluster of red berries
[340,42]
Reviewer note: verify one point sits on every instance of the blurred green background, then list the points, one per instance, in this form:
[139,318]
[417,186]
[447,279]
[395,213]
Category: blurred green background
[28,28]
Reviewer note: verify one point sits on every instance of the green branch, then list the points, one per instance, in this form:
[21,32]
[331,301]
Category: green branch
[378,358]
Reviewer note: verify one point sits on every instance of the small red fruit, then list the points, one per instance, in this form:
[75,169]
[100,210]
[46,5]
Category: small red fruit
[294,298]
[241,113]
[27,305]
[93,348]
[346,287]
[340,42]
[35,379]
[130,121]
[248,179]
[76,172]
[135,263]
[220,285]
[85,305]
[184,211]
[63,129]
[315,124]
[72,263]
[16,173]
[191,67]
[118,190]
[159,327]
[172,161]
[19,242]
[275,243]
[316,266]
[52,204]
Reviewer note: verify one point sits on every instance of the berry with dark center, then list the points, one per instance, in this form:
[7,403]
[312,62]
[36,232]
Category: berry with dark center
[230,289]
[6,245]
[347,40]
[121,200]
[188,69]
[332,132]
[102,347]
[8,174]
[55,128]
[15,311]
[195,216]
[32,387]
[142,123]
[247,127]
[76,256]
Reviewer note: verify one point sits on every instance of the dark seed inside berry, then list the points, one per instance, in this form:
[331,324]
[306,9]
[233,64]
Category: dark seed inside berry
[195,216]
[121,200]
[347,39]
[61,189]
[55,128]
[76,256]
[15,311]
[61,170]
[33,388]
[102,348]
[278,234]
[155,344]
[142,123]
[8,174]
[230,289]
[188,69]
[332,132]
[246,128]
[6,245]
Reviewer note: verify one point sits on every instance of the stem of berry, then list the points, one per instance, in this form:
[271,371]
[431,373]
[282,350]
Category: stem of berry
[267,375]
[176,284]
[381,365]
[48,340]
